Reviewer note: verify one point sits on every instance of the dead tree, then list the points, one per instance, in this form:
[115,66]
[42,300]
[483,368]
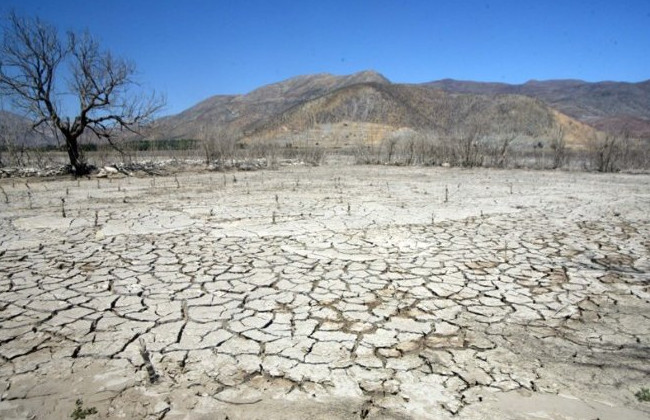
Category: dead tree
[501,149]
[33,62]
[219,144]
[608,152]
[558,146]
[469,153]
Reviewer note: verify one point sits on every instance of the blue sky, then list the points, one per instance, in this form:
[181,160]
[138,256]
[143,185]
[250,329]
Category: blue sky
[191,50]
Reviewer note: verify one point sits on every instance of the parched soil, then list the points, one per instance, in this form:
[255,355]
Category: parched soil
[333,292]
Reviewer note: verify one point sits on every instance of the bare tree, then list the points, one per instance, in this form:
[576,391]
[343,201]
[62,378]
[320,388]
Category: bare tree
[33,61]
[608,153]
[500,150]
[468,149]
[390,143]
[558,146]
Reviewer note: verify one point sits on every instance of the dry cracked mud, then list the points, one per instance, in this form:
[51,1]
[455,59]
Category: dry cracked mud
[329,292]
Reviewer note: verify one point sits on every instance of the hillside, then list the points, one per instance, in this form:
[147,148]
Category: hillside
[242,112]
[366,107]
[609,106]
[16,130]
[420,108]
[423,109]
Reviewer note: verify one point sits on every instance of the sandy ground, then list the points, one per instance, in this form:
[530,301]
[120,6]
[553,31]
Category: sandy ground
[335,292]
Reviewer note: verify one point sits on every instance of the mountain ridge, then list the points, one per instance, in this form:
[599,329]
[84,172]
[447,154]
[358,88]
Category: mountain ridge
[396,107]
[616,107]
[301,103]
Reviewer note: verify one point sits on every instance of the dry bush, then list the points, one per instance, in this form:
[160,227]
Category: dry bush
[496,150]
[314,156]
[219,144]
[468,149]
[13,151]
[637,155]
[607,152]
[390,145]
[613,153]
[428,149]
[558,147]
[367,155]
[267,151]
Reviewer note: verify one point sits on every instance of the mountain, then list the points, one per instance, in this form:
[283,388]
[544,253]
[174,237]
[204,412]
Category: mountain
[609,106]
[16,130]
[241,112]
[389,108]
[366,107]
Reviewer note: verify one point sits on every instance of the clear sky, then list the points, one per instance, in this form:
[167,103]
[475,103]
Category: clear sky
[191,49]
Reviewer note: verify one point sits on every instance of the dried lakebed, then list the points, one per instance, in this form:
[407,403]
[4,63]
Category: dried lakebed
[328,292]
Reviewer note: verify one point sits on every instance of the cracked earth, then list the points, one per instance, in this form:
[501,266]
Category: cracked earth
[329,292]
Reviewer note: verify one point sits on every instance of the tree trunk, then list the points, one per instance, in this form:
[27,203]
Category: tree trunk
[77,162]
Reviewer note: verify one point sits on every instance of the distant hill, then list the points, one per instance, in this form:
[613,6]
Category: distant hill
[18,130]
[243,112]
[609,106]
[401,108]
[366,107]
